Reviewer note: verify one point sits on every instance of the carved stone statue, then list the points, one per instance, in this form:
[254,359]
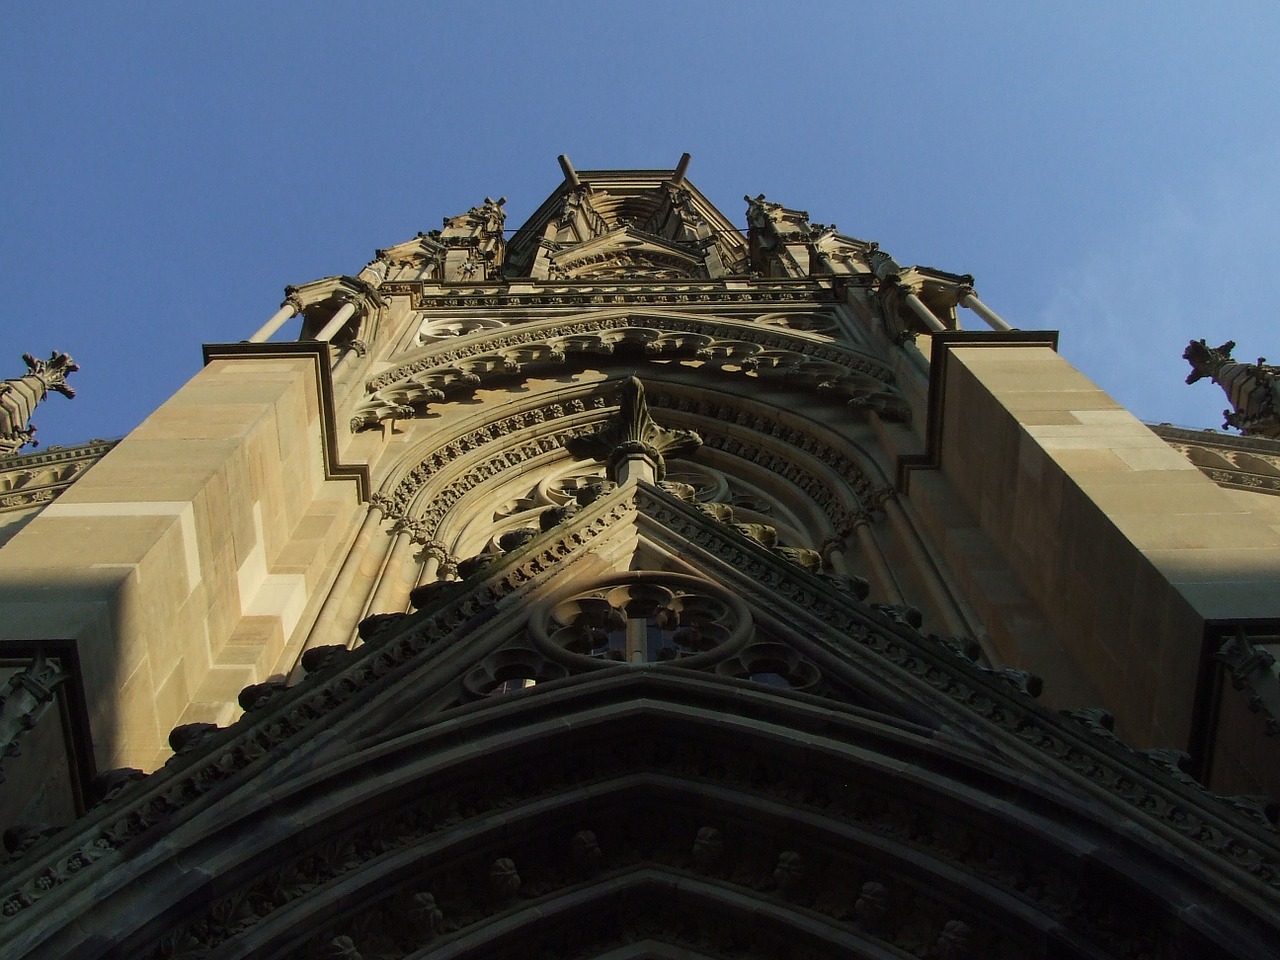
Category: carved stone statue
[1252,388]
[18,398]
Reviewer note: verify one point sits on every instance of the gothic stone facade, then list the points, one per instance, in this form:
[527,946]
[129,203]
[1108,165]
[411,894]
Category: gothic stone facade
[628,586]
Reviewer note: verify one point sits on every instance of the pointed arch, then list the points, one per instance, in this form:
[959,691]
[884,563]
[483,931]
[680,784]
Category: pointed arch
[538,819]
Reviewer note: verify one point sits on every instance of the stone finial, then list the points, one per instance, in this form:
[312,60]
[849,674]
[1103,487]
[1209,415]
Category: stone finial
[632,432]
[19,396]
[1252,388]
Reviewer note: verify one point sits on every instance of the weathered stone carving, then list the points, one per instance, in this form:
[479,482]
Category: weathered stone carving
[343,948]
[19,396]
[426,914]
[632,431]
[32,479]
[708,849]
[188,736]
[789,874]
[504,880]
[24,698]
[1252,388]
[836,371]
[317,658]
[23,837]
[1251,671]
[258,695]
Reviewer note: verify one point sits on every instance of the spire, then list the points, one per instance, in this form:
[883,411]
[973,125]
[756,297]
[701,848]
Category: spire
[19,396]
[1252,388]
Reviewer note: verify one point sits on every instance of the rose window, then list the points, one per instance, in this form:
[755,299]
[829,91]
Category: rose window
[639,619]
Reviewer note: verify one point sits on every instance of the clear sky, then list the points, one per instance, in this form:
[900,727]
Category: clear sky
[1110,170]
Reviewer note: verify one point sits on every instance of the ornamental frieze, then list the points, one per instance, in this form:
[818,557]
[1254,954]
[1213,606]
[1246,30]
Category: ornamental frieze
[1243,463]
[573,299]
[843,377]
[427,296]
[756,285]
[768,338]
[31,479]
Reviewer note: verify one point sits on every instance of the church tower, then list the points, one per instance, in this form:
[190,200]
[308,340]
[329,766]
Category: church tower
[628,585]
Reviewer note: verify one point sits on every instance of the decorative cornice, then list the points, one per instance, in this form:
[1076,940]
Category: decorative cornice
[766,336]
[34,479]
[1240,463]
[768,352]
[594,293]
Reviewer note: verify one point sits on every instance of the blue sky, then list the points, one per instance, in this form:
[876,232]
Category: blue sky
[1108,170]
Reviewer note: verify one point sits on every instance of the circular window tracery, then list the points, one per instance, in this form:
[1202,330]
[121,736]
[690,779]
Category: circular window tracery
[564,487]
[640,619]
[432,330]
[773,665]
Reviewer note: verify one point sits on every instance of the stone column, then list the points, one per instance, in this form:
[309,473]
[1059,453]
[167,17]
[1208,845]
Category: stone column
[434,553]
[339,320]
[943,602]
[399,575]
[290,308]
[916,356]
[881,576]
[322,631]
[994,320]
[924,313]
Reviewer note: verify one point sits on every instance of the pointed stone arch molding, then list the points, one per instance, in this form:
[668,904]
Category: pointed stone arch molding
[630,254]
[436,475]
[769,353]
[847,835]
[993,753]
